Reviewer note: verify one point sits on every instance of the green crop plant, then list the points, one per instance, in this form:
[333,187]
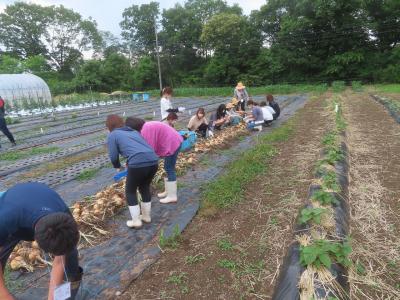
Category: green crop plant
[329,139]
[321,253]
[312,215]
[324,198]
[191,260]
[225,244]
[16,155]
[87,174]
[334,155]
[329,181]
[227,264]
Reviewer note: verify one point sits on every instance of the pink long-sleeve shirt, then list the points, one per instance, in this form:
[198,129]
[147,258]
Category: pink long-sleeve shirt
[164,139]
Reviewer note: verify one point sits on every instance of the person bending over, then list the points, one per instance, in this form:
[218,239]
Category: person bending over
[34,212]
[199,123]
[171,119]
[272,103]
[256,118]
[218,119]
[142,163]
[166,105]
[166,142]
[234,116]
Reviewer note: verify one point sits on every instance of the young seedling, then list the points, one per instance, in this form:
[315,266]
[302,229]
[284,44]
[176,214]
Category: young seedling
[227,264]
[324,198]
[329,181]
[171,242]
[225,245]
[191,260]
[311,214]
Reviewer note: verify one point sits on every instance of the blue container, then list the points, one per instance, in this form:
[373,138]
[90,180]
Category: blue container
[120,175]
[190,138]
[136,97]
[146,97]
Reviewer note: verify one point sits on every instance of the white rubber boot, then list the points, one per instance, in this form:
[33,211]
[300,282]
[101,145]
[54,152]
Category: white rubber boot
[146,212]
[165,193]
[135,213]
[172,193]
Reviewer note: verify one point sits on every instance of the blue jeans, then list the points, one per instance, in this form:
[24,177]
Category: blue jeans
[169,165]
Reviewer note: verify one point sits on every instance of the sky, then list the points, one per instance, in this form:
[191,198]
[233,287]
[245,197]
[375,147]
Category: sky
[108,14]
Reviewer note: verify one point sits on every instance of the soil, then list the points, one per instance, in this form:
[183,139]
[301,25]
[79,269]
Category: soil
[236,254]
[374,192]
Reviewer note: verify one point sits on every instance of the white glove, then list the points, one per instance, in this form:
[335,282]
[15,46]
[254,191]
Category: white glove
[210,133]
[181,109]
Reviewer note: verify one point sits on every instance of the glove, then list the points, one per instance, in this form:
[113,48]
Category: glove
[181,109]
[210,133]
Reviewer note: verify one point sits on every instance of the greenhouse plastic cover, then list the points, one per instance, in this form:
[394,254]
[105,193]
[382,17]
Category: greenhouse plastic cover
[16,87]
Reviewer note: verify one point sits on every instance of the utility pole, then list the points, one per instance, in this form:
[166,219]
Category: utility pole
[158,54]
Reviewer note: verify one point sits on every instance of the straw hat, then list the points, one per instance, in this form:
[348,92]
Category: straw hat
[229,106]
[240,86]
[234,101]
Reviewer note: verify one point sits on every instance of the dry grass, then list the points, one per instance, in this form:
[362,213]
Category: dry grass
[375,240]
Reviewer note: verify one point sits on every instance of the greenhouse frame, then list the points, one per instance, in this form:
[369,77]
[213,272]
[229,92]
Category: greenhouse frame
[21,90]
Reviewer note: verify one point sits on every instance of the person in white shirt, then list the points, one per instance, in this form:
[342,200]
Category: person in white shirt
[268,113]
[166,105]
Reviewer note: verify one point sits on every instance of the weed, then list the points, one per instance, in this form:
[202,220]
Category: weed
[360,269]
[322,253]
[74,116]
[225,245]
[148,118]
[357,86]
[87,174]
[172,241]
[338,86]
[10,121]
[324,198]
[16,155]
[329,139]
[273,221]
[311,214]
[221,193]
[191,260]
[227,264]
[177,279]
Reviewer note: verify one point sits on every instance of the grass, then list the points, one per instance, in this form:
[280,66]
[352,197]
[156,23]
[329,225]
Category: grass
[225,245]
[17,155]
[87,174]
[227,190]
[172,241]
[338,86]
[262,90]
[194,259]
[387,88]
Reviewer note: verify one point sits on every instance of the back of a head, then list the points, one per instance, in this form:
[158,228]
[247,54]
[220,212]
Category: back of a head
[250,102]
[113,122]
[57,233]
[270,98]
[171,117]
[263,103]
[166,91]
[135,123]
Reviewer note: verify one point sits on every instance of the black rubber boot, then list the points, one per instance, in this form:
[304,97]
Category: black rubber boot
[75,283]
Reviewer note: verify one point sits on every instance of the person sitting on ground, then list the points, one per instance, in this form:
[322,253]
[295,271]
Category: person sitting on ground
[3,123]
[272,103]
[199,123]
[34,212]
[241,95]
[166,142]
[268,115]
[218,119]
[166,105]
[234,117]
[256,118]
[142,164]
[171,119]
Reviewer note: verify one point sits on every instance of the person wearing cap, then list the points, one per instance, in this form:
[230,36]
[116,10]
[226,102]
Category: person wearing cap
[166,105]
[241,95]
[3,123]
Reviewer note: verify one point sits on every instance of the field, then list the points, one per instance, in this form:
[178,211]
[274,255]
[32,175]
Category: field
[316,193]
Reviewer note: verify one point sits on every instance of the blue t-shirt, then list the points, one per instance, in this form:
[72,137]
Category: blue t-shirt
[22,206]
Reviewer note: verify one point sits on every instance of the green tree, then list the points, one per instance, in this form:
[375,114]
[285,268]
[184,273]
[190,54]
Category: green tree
[22,28]
[145,74]
[138,28]
[10,65]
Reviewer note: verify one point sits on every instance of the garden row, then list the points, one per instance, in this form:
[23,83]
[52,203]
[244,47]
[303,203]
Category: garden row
[315,266]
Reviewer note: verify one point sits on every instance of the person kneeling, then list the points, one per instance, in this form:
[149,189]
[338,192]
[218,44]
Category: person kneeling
[34,212]
[199,123]
[256,118]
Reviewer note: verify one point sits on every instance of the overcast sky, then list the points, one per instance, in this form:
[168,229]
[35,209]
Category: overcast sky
[108,14]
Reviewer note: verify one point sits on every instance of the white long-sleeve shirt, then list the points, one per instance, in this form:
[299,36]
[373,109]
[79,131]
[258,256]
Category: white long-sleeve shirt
[267,114]
[165,104]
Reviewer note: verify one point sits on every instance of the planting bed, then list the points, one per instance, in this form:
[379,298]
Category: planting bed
[114,263]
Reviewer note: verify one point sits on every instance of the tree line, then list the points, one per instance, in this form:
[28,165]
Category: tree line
[205,43]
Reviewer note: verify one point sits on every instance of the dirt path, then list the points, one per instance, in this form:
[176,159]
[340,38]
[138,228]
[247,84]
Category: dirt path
[237,253]
[374,194]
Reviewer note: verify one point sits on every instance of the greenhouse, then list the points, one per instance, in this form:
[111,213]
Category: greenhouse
[24,90]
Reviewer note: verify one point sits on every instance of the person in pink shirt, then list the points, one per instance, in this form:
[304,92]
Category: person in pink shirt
[166,142]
